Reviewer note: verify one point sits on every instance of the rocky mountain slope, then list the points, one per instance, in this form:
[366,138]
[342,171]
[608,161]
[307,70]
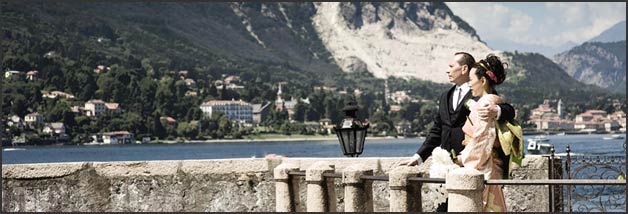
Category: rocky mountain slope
[532,77]
[599,63]
[615,33]
[395,39]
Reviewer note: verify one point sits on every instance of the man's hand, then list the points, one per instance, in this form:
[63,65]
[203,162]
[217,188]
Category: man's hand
[410,162]
[487,111]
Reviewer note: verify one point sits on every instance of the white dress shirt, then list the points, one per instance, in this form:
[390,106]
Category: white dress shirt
[459,93]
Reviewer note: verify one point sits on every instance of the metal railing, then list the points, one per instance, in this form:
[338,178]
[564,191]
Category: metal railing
[374,177]
[603,195]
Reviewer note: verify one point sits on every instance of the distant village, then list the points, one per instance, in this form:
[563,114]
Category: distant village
[548,116]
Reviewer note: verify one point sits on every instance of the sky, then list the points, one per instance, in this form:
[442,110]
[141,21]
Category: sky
[542,27]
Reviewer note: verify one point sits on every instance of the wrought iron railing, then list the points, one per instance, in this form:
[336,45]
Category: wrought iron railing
[594,197]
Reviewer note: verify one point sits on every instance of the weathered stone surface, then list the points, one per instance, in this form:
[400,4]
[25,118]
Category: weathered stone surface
[208,185]
[40,171]
[404,196]
[281,171]
[465,186]
[314,172]
[529,198]
[226,166]
[284,196]
[143,168]
[351,175]
[464,179]
[318,191]
[358,192]
[398,177]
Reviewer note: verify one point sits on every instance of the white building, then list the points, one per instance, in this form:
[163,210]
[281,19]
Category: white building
[56,128]
[260,111]
[34,119]
[55,94]
[97,107]
[94,107]
[118,137]
[238,111]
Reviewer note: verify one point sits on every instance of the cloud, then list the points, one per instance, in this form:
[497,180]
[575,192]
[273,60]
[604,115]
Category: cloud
[582,21]
[492,20]
[549,24]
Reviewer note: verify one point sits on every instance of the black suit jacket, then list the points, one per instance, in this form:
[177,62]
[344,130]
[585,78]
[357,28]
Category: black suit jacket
[447,130]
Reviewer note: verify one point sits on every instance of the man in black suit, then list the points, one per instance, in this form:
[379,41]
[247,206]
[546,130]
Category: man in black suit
[447,130]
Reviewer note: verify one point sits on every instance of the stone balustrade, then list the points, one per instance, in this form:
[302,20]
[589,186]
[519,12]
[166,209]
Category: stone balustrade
[244,185]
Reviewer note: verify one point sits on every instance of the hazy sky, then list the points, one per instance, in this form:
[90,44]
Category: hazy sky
[549,24]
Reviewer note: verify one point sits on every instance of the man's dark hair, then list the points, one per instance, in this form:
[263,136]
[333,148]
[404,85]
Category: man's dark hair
[466,59]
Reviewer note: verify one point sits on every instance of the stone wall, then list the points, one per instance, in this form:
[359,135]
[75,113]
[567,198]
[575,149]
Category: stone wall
[205,185]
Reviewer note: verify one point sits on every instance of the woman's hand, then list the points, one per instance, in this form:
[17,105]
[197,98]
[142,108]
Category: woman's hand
[487,109]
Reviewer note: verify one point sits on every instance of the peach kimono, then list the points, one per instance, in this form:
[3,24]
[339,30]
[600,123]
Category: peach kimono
[481,143]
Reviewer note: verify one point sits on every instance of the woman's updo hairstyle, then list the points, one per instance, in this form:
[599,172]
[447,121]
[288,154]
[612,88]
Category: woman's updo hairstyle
[492,69]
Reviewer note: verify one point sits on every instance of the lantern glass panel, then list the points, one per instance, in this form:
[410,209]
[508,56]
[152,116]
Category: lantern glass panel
[360,135]
[346,139]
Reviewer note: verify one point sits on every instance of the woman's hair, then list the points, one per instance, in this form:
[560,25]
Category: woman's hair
[492,69]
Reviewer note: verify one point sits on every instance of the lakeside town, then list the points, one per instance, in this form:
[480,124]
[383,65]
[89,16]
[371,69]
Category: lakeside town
[548,117]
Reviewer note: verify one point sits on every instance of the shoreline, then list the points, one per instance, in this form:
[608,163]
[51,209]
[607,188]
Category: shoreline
[334,138]
[269,140]
[288,139]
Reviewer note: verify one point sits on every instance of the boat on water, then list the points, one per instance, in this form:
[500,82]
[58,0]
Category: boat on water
[539,145]
[13,149]
[613,137]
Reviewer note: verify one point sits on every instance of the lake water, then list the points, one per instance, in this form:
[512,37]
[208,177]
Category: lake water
[581,144]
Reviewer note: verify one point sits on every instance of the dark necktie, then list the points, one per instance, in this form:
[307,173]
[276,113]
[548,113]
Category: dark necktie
[459,98]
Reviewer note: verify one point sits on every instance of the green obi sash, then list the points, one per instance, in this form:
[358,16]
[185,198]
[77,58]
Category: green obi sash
[511,140]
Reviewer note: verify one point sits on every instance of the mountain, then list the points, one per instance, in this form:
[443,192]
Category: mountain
[395,39]
[306,44]
[386,39]
[616,33]
[547,51]
[599,63]
[182,35]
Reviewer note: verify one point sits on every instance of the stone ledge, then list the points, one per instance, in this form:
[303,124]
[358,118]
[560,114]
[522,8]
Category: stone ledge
[136,168]
[36,171]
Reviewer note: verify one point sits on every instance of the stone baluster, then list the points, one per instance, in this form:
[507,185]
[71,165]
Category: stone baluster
[320,192]
[358,192]
[284,192]
[404,197]
[464,187]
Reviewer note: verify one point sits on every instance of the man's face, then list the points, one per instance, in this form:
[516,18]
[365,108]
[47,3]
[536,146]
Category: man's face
[458,74]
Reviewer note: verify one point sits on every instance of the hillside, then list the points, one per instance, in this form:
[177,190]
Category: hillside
[599,63]
[411,40]
[146,47]
[613,34]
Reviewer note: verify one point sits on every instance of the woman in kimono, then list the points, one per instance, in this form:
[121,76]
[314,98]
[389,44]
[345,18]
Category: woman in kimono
[483,150]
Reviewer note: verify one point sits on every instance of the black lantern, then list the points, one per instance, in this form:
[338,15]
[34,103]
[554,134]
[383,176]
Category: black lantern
[351,132]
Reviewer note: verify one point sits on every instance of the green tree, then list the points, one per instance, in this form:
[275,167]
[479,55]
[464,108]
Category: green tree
[165,97]
[299,111]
